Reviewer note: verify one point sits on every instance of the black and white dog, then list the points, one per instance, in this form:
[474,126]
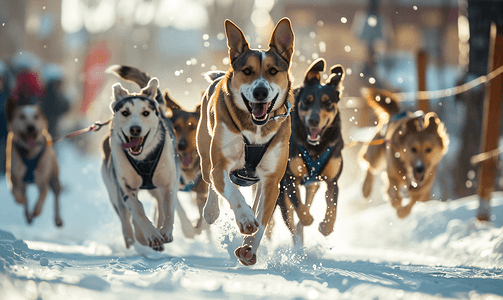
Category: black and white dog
[139,154]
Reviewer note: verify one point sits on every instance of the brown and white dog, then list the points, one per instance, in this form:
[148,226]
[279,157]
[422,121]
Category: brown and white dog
[185,127]
[409,148]
[139,154]
[29,152]
[242,136]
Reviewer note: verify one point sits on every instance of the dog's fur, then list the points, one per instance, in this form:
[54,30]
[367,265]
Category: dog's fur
[185,127]
[316,128]
[28,139]
[238,104]
[138,129]
[413,146]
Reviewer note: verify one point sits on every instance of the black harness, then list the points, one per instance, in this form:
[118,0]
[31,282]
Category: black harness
[315,167]
[146,167]
[253,155]
[31,164]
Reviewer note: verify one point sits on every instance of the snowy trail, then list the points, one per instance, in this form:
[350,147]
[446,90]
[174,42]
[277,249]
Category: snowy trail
[439,252]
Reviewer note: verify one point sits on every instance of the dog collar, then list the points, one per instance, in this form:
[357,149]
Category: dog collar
[285,115]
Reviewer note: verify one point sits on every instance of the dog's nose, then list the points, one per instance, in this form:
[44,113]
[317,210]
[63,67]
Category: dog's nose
[260,93]
[313,122]
[31,128]
[135,130]
[419,169]
[182,145]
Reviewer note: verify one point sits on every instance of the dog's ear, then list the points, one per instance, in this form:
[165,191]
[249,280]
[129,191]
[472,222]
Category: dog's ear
[337,75]
[412,125]
[282,39]
[171,105]
[151,89]
[313,73]
[119,93]
[431,122]
[236,40]
[10,106]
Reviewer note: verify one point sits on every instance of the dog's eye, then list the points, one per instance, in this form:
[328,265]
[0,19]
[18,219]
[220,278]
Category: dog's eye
[428,150]
[247,71]
[177,128]
[273,71]
[145,113]
[414,149]
[192,126]
[125,113]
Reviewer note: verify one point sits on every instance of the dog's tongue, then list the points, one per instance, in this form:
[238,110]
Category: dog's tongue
[31,142]
[259,110]
[314,134]
[134,142]
[187,160]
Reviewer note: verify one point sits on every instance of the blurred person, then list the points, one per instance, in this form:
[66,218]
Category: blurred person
[4,93]
[55,103]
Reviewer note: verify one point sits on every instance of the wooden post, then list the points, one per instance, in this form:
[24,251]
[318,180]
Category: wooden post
[421,79]
[490,123]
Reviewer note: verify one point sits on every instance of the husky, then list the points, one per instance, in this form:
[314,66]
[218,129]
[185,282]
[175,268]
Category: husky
[139,153]
[184,125]
[413,143]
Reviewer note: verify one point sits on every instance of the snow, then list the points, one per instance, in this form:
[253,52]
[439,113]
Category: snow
[439,252]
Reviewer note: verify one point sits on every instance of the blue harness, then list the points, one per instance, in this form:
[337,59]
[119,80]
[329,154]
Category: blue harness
[31,164]
[314,166]
[189,186]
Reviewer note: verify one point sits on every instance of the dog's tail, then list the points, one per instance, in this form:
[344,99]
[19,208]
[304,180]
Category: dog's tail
[140,78]
[384,104]
[211,76]
[130,74]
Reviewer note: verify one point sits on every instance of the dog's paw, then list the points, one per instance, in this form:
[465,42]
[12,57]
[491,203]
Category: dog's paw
[247,223]
[245,255]
[326,228]
[129,241]
[154,238]
[58,221]
[167,237]
[402,211]
[304,215]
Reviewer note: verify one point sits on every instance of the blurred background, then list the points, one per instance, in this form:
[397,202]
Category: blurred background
[70,43]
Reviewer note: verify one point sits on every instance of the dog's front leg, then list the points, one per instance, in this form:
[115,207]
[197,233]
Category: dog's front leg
[331,196]
[170,200]
[245,217]
[43,189]
[394,193]
[153,237]
[267,194]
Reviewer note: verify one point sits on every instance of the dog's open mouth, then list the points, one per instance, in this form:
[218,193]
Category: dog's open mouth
[134,144]
[186,161]
[418,176]
[314,136]
[259,111]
